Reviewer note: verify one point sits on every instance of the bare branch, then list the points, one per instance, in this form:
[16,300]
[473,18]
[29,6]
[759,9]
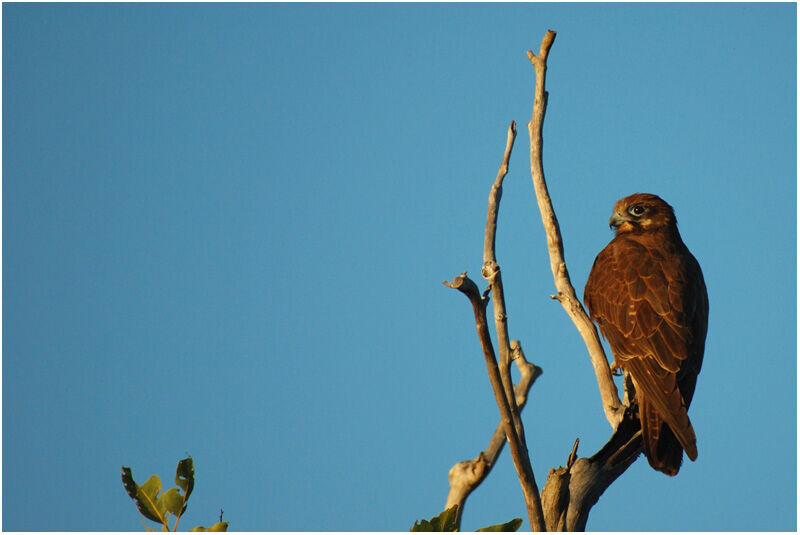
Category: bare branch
[466,476]
[491,272]
[570,492]
[566,292]
[495,195]
[521,462]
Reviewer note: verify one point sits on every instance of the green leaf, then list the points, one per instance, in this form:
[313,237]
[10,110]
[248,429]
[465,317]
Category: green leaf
[184,478]
[421,525]
[445,521]
[219,526]
[144,496]
[512,525]
[172,501]
[149,494]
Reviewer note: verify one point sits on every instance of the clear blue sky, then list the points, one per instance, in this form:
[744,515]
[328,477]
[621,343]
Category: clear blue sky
[225,229]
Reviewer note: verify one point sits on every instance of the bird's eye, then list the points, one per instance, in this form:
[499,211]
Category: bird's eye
[636,210]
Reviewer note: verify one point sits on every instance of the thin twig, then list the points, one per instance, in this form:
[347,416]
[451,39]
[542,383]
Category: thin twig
[529,489]
[612,406]
[495,195]
[491,272]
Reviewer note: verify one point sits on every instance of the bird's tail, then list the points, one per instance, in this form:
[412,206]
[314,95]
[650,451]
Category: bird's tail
[662,448]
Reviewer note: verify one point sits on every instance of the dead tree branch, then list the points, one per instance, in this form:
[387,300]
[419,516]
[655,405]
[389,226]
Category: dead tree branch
[571,491]
[491,272]
[466,476]
[566,293]
[518,449]
[500,375]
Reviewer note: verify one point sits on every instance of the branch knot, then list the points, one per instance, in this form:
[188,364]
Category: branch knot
[490,270]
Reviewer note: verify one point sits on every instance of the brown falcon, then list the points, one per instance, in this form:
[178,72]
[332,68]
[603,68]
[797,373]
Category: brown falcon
[647,294]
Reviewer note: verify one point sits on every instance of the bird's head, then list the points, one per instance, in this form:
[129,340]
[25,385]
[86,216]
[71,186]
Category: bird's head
[641,212]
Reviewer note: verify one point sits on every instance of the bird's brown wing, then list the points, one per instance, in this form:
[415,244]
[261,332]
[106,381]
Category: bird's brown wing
[640,296]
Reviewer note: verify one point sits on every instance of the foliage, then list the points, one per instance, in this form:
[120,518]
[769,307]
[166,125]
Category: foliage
[447,520]
[158,508]
[511,525]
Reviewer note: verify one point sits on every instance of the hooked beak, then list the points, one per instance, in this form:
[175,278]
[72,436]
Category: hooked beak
[617,219]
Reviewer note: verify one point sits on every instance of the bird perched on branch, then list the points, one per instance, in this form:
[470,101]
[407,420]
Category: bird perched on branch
[647,294]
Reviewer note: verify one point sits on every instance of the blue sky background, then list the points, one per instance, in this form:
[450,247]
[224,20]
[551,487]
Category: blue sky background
[225,229]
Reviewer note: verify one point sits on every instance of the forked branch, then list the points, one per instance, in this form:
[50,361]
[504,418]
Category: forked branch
[466,476]
[499,375]
[521,463]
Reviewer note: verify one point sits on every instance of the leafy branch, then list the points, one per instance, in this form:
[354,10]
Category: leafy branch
[172,502]
[448,520]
